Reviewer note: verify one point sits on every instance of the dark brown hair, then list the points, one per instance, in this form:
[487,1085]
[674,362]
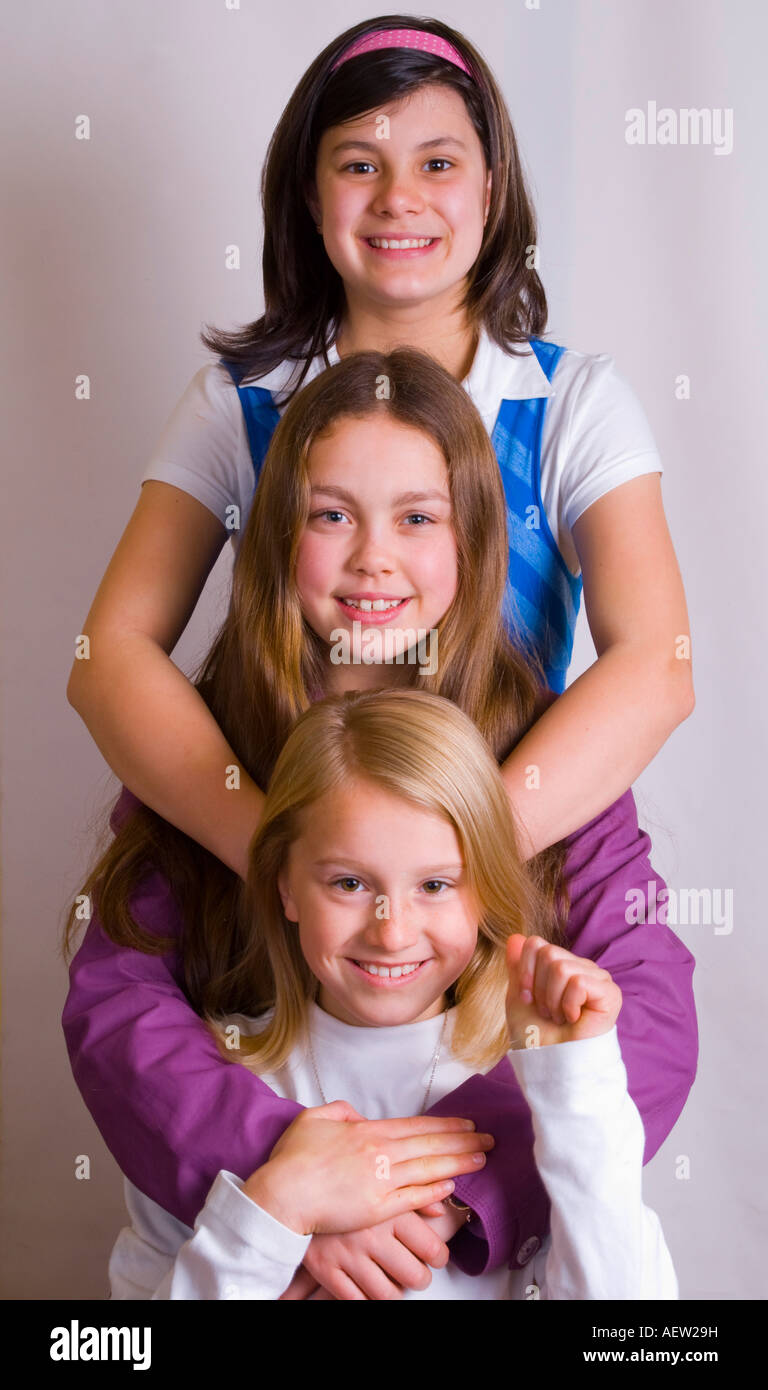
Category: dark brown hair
[303,293]
[267,663]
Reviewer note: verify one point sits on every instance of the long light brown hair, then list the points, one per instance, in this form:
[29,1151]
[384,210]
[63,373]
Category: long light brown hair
[267,663]
[422,748]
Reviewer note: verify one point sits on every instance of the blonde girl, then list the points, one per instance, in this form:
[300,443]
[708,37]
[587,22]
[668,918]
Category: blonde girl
[390,916]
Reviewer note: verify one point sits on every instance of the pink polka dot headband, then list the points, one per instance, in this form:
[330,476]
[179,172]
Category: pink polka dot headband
[420,39]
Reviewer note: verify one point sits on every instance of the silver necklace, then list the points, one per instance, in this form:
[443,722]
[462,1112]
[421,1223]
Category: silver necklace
[435,1060]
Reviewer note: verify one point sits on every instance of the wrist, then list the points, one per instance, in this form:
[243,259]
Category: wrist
[458,1211]
[266,1188]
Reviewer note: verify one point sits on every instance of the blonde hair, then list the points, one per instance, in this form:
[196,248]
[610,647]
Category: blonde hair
[423,748]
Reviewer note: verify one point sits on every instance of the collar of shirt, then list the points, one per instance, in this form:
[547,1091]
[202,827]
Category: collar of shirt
[495,376]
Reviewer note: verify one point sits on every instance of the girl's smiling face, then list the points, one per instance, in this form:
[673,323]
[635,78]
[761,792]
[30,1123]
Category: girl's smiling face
[379,531]
[374,880]
[426,179]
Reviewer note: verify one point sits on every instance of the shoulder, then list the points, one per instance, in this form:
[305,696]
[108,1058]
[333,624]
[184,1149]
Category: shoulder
[590,390]
[213,384]
[247,1024]
[209,399]
[588,376]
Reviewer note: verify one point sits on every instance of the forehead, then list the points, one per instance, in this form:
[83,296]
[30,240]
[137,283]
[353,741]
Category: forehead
[432,111]
[360,812]
[357,442]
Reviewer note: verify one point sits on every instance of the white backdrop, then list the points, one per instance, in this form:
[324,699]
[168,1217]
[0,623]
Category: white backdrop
[113,257]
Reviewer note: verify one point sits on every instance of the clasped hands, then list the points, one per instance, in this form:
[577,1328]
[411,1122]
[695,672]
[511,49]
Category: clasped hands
[553,997]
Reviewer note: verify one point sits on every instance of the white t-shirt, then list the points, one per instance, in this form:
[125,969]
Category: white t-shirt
[595,433]
[588,1146]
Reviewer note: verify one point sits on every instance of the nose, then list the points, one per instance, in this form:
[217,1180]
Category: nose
[391,927]
[372,552]
[398,194]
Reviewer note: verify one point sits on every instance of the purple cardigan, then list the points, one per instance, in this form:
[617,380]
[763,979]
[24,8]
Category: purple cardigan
[173,1111]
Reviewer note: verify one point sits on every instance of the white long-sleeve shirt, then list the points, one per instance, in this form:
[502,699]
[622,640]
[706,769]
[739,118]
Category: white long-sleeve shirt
[604,1243]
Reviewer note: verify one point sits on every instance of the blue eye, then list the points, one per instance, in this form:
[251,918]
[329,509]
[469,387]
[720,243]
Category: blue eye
[327,514]
[420,516]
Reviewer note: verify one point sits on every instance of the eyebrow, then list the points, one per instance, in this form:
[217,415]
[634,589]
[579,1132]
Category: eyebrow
[376,144]
[428,871]
[328,490]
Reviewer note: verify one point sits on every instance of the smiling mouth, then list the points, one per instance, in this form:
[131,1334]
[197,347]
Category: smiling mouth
[372,612]
[383,243]
[376,972]
[373,605]
[401,248]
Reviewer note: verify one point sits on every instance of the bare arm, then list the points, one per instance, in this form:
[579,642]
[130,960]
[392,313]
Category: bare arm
[147,719]
[597,737]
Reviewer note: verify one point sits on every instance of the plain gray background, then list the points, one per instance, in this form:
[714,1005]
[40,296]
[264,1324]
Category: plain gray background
[113,255]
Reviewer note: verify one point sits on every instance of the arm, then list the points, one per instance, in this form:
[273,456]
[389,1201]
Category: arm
[607,860]
[237,1251]
[597,737]
[172,1111]
[322,1175]
[605,1243]
[147,719]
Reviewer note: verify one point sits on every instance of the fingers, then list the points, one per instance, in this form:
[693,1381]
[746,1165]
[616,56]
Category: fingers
[402,1127]
[544,972]
[421,1240]
[389,1270]
[574,996]
[302,1285]
[427,1171]
[432,1145]
[434,1209]
[344,1288]
[413,1198]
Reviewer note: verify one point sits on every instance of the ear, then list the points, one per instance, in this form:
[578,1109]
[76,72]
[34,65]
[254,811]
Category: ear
[286,896]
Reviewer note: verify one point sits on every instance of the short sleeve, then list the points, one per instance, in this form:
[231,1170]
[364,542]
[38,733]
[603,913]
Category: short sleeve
[596,436]
[203,448]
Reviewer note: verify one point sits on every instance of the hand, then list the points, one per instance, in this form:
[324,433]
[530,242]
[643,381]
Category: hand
[379,1263]
[334,1171]
[565,997]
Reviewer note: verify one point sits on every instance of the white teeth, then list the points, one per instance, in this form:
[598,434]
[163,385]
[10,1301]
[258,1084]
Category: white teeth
[394,973]
[378,605]
[387,244]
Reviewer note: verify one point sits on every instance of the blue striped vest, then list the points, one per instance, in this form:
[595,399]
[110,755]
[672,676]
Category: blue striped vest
[542,599]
